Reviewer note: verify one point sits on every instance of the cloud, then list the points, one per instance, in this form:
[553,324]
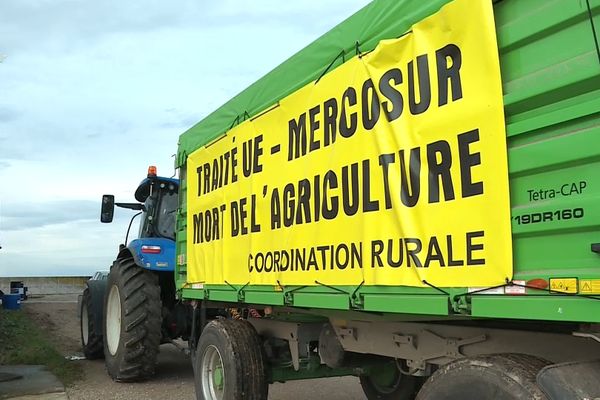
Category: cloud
[7,114]
[28,215]
[72,248]
[179,119]
[57,26]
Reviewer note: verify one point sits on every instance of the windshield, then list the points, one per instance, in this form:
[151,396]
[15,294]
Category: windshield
[166,215]
[158,218]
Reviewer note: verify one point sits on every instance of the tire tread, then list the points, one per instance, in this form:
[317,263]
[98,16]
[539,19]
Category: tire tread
[517,370]
[141,322]
[242,346]
[94,348]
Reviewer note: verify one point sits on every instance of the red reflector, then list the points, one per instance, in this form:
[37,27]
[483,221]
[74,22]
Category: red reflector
[537,283]
[151,249]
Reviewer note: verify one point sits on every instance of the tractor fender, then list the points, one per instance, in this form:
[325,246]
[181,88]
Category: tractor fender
[126,252]
[161,262]
[97,289]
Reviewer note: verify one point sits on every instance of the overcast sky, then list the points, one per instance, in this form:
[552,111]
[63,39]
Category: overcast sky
[92,92]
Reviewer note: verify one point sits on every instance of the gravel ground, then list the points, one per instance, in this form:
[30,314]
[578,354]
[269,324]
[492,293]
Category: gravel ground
[57,315]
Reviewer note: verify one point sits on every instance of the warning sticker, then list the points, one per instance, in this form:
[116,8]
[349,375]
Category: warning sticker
[517,288]
[589,286]
[563,285]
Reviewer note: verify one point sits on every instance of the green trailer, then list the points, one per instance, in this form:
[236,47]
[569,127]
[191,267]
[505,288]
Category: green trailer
[414,199]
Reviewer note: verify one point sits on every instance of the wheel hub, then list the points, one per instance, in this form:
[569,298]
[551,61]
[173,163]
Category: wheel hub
[84,324]
[113,320]
[212,374]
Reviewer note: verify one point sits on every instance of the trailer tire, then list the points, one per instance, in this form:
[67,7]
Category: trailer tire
[229,362]
[132,322]
[394,387]
[497,377]
[91,340]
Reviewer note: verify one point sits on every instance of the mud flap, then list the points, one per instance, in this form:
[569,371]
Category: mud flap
[571,381]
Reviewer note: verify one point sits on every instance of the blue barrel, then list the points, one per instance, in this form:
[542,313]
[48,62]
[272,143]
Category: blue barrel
[11,301]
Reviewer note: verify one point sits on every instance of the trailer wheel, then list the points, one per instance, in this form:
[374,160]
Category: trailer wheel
[91,341]
[497,377]
[132,322]
[390,384]
[229,363]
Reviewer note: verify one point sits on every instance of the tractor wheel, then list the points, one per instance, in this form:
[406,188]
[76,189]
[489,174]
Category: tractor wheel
[91,340]
[388,383]
[132,322]
[495,377]
[229,363]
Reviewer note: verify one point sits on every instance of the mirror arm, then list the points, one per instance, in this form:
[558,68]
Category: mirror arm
[132,206]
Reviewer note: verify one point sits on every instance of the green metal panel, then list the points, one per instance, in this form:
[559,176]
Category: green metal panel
[550,67]
[551,76]
[223,295]
[537,308]
[408,304]
[181,236]
[320,300]
[195,294]
[264,297]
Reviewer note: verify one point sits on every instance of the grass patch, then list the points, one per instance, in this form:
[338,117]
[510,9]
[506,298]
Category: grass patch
[22,342]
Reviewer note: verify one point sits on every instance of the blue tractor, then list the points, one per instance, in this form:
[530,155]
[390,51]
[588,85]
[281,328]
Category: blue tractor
[125,317]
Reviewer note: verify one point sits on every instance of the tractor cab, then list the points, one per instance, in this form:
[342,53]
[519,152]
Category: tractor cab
[157,197]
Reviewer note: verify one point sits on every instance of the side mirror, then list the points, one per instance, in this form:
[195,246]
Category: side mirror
[108,208]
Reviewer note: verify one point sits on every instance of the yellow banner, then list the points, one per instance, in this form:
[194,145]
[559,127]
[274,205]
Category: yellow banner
[390,170]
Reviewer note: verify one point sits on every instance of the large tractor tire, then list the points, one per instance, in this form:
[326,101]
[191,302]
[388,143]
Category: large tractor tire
[495,377]
[229,363]
[91,339]
[132,322]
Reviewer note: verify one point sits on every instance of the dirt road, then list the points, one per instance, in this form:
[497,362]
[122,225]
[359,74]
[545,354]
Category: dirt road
[174,380]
